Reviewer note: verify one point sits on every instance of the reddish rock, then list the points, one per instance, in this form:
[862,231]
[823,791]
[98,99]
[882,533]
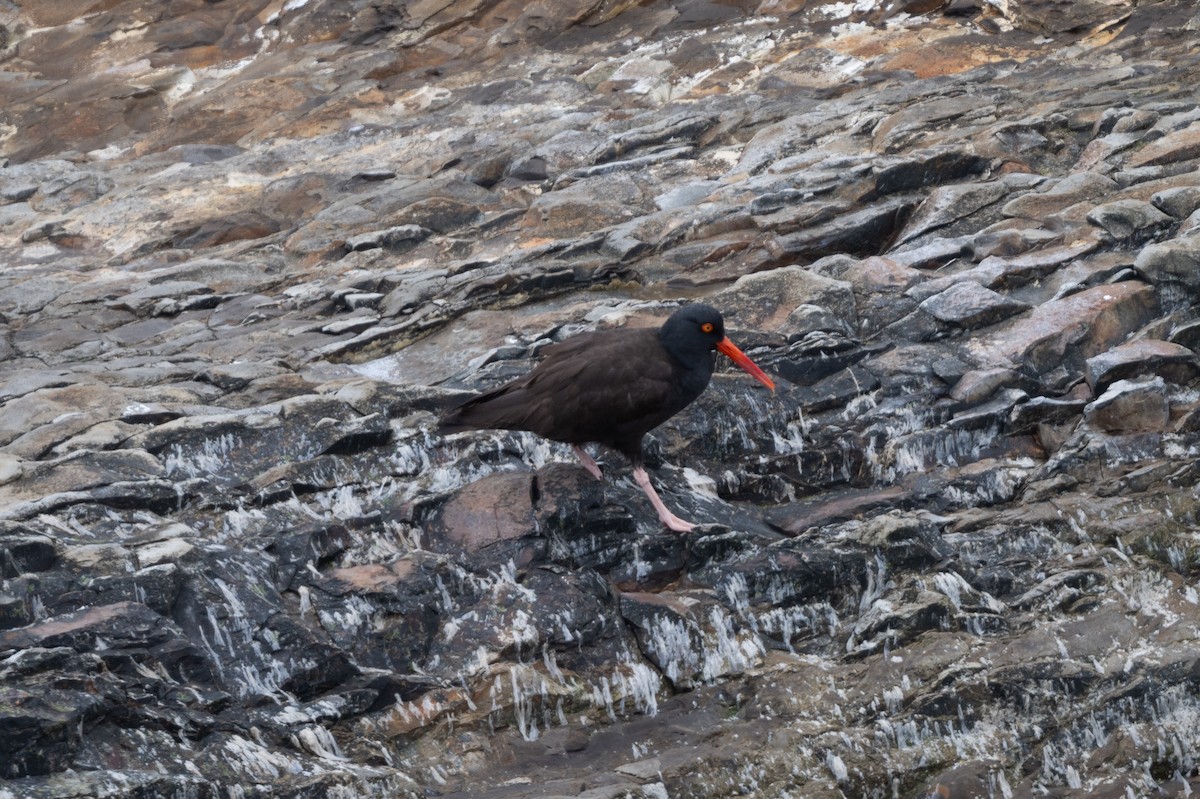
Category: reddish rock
[1067,331]
[494,509]
[1131,406]
[1179,145]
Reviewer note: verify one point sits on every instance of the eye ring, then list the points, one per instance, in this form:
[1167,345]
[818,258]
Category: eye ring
[707,327]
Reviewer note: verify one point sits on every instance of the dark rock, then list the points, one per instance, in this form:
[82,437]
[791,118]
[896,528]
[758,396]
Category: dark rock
[405,603]
[859,233]
[947,204]
[687,636]
[582,518]
[921,566]
[395,239]
[156,586]
[125,635]
[1188,335]
[42,715]
[14,612]
[1044,410]
[300,429]
[837,390]
[22,553]
[927,169]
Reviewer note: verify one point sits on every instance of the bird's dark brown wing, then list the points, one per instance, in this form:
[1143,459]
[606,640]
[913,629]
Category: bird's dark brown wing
[609,387]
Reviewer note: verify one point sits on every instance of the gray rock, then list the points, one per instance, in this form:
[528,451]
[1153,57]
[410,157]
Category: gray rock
[1180,202]
[236,376]
[978,385]
[1142,357]
[686,195]
[1129,219]
[1173,266]
[1064,333]
[1180,144]
[876,282]
[1191,225]
[970,306]
[766,300]
[947,204]
[1005,243]
[63,194]
[149,300]
[561,152]
[1073,189]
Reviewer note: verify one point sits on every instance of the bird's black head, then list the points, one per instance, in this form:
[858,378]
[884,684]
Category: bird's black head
[691,335]
[692,332]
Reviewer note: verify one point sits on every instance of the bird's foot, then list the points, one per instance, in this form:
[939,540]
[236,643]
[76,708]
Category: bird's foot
[586,459]
[676,524]
[669,519]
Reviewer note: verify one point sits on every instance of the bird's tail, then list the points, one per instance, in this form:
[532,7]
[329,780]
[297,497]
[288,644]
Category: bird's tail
[493,410]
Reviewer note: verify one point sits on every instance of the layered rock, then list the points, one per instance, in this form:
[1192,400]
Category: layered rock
[253,249]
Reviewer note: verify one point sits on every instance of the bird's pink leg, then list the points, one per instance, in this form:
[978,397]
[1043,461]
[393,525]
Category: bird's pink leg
[669,519]
[588,463]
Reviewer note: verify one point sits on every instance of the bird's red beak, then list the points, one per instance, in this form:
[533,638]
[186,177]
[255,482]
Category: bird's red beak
[737,356]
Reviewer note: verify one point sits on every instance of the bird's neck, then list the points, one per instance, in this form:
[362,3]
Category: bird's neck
[694,370]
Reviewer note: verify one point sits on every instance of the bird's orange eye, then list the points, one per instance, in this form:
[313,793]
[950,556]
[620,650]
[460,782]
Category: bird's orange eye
[707,327]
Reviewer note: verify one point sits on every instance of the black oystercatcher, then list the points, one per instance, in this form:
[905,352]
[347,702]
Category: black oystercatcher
[611,387]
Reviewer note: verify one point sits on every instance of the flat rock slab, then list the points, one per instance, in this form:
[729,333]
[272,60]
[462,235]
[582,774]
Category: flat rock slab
[1174,266]
[104,628]
[947,204]
[1174,146]
[1142,357]
[764,301]
[1129,219]
[494,509]
[1071,329]
[1131,406]
[970,305]
[1076,188]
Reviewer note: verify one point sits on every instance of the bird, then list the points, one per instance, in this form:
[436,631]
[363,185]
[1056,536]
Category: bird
[611,387]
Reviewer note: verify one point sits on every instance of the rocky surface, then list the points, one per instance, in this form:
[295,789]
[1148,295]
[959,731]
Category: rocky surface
[252,248]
